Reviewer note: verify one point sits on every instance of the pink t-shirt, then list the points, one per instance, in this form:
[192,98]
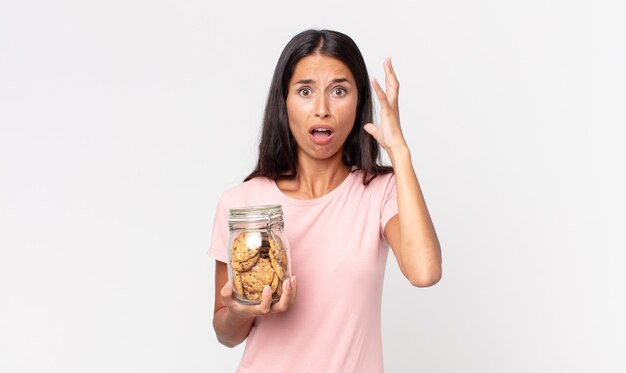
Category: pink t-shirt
[338,255]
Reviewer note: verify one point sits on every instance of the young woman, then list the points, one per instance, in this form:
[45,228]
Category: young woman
[318,158]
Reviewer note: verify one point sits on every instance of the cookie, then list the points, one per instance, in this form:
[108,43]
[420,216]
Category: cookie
[246,265]
[253,295]
[275,282]
[245,250]
[278,258]
[258,276]
[238,284]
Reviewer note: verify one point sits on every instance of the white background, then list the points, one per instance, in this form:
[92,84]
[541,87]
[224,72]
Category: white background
[122,121]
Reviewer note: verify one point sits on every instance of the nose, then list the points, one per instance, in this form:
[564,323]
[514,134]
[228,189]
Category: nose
[322,110]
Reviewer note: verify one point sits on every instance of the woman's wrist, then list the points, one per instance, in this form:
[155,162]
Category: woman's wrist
[399,153]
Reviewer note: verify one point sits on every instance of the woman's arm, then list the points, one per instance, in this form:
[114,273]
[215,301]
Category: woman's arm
[233,321]
[231,329]
[411,233]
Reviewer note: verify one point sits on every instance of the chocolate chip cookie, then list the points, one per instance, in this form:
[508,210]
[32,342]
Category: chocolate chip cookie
[278,257]
[245,251]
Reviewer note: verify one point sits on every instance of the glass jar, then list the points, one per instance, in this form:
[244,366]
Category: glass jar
[258,252]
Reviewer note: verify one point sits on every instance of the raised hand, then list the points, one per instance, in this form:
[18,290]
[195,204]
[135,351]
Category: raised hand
[388,133]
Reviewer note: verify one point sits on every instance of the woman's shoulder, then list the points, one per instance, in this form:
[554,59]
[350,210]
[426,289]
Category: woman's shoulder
[255,185]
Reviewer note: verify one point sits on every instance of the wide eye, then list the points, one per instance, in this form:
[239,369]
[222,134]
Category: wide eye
[304,92]
[339,91]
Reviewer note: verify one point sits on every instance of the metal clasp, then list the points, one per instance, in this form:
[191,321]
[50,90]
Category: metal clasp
[271,221]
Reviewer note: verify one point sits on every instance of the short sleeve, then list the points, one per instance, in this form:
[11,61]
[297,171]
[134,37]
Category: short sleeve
[218,249]
[389,203]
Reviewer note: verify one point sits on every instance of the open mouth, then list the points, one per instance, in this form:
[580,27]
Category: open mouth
[321,132]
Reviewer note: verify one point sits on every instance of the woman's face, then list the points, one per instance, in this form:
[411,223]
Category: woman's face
[321,105]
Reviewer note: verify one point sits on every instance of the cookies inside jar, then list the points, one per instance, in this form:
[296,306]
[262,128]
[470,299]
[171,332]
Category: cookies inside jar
[257,259]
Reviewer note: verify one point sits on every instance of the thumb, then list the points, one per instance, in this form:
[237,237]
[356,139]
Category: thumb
[370,128]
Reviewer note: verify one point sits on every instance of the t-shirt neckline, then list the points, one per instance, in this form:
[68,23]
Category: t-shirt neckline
[313,201]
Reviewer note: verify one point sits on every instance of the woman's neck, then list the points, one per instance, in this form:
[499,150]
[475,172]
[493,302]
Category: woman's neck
[315,178]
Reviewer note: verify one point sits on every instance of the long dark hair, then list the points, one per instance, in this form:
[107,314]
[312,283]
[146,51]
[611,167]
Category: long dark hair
[278,148]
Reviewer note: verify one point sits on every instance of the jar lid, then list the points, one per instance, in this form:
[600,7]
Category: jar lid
[255,213]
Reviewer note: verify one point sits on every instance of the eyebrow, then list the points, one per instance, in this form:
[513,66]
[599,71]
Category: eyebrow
[336,80]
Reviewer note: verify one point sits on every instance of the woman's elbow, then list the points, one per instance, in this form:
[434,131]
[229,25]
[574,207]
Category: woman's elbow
[424,279]
[227,343]
[227,339]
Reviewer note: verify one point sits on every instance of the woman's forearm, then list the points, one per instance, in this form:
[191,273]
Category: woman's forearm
[419,252]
